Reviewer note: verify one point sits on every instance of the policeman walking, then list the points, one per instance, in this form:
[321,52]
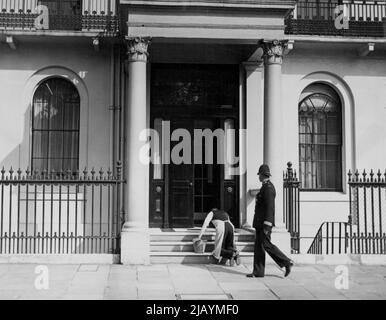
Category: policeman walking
[263,222]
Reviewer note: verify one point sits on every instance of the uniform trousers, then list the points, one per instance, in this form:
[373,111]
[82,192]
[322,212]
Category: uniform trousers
[263,244]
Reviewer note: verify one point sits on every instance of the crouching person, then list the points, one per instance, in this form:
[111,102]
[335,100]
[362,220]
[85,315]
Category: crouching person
[224,246]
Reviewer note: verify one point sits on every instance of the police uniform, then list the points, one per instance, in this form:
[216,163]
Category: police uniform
[263,222]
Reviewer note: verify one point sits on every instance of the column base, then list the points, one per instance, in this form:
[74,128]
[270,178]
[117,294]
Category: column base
[281,238]
[135,246]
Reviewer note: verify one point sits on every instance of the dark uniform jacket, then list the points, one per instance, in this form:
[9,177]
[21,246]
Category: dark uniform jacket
[265,205]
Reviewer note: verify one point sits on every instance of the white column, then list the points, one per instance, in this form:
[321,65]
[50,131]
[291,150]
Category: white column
[273,127]
[254,139]
[135,243]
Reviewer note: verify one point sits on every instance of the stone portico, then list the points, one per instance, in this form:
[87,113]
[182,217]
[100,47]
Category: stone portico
[162,32]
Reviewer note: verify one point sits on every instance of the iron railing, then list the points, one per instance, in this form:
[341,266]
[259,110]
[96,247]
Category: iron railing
[367,212]
[311,17]
[60,212]
[331,238]
[291,210]
[96,15]
[364,233]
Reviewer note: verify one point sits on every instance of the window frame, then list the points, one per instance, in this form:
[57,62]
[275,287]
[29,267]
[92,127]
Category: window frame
[48,170]
[339,145]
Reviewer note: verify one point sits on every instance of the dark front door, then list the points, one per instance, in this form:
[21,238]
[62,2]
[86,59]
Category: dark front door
[181,178]
[192,97]
[194,188]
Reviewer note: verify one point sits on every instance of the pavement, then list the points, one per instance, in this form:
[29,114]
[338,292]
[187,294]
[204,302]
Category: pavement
[190,282]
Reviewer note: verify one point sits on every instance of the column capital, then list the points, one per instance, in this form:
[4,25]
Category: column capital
[137,48]
[273,51]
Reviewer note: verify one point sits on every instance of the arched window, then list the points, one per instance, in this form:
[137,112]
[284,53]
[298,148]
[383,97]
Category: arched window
[320,139]
[55,126]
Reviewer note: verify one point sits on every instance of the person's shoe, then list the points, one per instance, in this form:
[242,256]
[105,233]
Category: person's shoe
[251,275]
[288,269]
[236,257]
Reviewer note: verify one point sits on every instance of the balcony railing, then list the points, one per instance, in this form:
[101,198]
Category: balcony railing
[65,15]
[325,18]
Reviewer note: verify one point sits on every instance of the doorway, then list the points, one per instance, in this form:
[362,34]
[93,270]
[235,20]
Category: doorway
[192,98]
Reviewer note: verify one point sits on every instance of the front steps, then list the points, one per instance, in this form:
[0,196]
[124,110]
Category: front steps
[175,246]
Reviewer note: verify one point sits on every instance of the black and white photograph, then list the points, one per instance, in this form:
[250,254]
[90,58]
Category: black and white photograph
[192,151]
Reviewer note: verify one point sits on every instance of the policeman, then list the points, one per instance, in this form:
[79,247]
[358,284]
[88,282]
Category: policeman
[263,222]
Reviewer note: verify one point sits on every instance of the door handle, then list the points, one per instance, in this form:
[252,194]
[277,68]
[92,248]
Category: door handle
[191,184]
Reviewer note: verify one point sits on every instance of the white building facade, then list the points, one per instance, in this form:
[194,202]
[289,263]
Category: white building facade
[294,82]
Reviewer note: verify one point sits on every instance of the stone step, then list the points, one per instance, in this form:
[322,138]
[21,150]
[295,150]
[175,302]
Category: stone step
[187,246]
[191,258]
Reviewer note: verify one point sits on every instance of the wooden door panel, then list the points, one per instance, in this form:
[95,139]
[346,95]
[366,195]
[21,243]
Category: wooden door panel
[181,186]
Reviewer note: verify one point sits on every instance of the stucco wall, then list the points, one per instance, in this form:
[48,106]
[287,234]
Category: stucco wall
[361,84]
[20,72]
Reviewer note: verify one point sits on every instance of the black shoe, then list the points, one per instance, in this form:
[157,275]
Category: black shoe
[251,275]
[288,269]
[237,259]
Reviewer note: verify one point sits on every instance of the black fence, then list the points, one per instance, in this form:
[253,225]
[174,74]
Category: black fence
[364,232]
[60,212]
[291,209]
[331,238]
[367,212]
[365,19]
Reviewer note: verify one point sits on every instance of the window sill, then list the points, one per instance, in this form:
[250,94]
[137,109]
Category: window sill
[323,196]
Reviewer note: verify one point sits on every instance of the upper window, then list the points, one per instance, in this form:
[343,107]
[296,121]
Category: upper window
[64,14]
[320,139]
[55,126]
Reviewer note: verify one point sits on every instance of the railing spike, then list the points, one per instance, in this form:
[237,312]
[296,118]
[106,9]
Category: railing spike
[371,175]
[379,176]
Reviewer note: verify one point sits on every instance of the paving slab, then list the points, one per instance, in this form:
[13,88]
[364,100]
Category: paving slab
[164,282]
